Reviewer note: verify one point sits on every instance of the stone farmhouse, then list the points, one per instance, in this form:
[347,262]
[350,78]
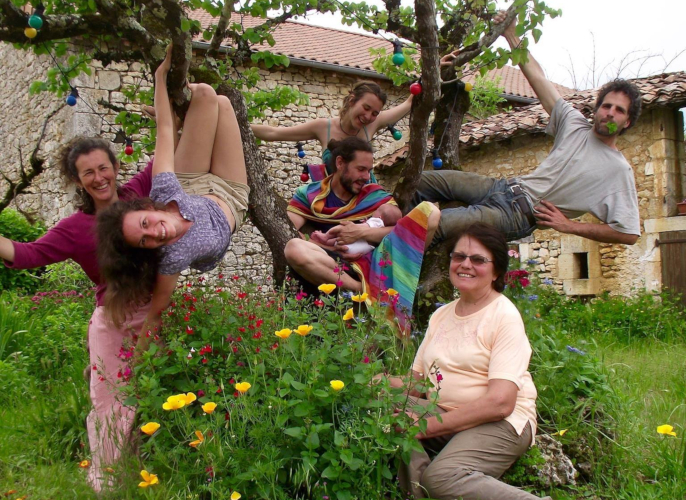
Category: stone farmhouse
[324,63]
[514,143]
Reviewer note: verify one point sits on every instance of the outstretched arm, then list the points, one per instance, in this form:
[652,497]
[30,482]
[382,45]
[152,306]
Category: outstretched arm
[303,132]
[164,146]
[390,116]
[548,215]
[6,249]
[545,90]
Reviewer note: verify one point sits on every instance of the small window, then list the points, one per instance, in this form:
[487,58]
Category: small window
[581,266]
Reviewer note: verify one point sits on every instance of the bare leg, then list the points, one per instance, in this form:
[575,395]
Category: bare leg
[315,265]
[194,151]
[228,161]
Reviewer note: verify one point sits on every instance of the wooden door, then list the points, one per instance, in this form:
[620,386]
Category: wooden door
[673,249]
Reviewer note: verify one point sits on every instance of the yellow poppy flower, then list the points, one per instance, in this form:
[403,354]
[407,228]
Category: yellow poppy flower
[235,496]
[148,479]
[337,385]
[392,292]
[242,387]
[360,298]
[303,330]
[283,334]
[560,433]
[200,440]
[150,428]
[327,288]
[175,402]
[188,397]
[209,407]
[348,315]
[84,464]
[666,429]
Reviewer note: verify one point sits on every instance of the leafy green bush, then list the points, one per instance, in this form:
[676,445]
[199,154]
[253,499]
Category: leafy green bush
[65,276]
[308,423]
[14,226]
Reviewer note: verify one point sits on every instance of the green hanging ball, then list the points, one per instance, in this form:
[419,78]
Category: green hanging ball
[397,135]
[398,58]
[36,22]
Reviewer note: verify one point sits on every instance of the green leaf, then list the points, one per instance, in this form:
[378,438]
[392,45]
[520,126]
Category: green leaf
[330,472]
[298,386]
[536,34]
[185,25]
[296,432]
[312,440]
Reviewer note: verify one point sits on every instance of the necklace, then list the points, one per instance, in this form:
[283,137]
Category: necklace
[340,124]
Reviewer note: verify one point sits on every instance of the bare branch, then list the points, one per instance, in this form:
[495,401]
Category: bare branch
[669,63]
[37,166]
[220,30]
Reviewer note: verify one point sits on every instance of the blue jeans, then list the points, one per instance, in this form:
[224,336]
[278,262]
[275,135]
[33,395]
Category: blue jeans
[488,200]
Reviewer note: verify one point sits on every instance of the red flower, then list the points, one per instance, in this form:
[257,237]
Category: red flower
[366,359]
[275,346]
[257,335]
[241,329]
[218,290]
[259,322]
[319,303]
[204,361]
[257,349]
[235,277]
[232,381]
[221,276]
[189,330]
[219,391]
[242,295]
[236,394]
[235,349]
[187,317]
[201,393]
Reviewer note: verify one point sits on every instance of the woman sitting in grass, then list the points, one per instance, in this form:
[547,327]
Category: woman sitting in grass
[476,354]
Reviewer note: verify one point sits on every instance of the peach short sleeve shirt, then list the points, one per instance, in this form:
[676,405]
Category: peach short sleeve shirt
[468,351]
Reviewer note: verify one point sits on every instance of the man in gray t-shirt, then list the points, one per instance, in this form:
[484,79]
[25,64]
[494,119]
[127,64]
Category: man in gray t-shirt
[584,172]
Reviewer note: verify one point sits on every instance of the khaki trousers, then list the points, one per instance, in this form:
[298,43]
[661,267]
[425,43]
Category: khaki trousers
[466,465]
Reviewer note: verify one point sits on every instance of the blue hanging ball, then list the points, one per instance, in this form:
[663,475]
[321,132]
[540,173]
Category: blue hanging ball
[437,163]
[301,154]
[36,22]
[397,135]
[71,100]
[398,58]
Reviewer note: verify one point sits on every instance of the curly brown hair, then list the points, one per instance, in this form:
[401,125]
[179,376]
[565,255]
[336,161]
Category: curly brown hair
[66,160]
[627,88]
[130,272]
[356,93]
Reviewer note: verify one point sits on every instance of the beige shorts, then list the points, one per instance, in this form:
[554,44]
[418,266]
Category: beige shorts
[234,194]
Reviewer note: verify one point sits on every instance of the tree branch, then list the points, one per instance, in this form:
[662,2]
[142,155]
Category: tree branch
[470,52]
[395,25]
[423,104]
[37,167]
[220,31]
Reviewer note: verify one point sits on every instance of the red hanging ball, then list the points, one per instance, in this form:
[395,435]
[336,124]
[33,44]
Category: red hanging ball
[128,150]
[304,177]
[416,88]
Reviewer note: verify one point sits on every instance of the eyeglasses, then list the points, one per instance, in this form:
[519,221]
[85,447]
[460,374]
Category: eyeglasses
[476,260]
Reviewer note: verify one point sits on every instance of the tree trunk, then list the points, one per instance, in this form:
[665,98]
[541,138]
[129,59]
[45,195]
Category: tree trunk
[449,115]
[422,105]
[267,208]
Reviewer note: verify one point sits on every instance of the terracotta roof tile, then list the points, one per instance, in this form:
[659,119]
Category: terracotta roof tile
[343,48]
[667,89]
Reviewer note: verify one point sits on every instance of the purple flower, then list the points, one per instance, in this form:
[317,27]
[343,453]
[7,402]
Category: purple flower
[533,297]
[575,350]
[547,281]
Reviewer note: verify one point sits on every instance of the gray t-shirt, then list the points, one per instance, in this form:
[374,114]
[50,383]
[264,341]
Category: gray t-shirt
[582,174]
[208,238]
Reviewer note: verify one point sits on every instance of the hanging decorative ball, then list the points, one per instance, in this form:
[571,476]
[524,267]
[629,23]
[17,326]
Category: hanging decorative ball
[304,177]
[36,21]
[436,162]
[466,86]
[398,56]
[30,32]
[128,150]
[416,88]
[301,152]
[73,95]
[397,134]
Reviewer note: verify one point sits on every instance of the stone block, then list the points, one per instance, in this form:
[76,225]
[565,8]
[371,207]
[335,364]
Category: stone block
[109,80]
[581,287]
[84,81]
[664,225]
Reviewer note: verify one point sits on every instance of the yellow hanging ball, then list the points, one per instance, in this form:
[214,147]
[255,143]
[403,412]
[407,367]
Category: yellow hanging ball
[468,87]
[30,32]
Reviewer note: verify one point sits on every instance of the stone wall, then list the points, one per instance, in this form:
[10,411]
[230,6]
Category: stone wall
[654,149]
[50,199]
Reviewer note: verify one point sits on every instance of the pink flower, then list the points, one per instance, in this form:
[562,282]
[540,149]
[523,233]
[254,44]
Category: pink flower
[366,359]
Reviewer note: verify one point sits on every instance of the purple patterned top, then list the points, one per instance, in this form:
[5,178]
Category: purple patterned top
[207,240]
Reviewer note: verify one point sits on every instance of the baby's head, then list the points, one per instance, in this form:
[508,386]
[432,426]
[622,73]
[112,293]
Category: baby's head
[389,214]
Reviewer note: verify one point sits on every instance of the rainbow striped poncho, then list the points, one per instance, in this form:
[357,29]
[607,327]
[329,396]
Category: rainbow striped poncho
[395,264]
